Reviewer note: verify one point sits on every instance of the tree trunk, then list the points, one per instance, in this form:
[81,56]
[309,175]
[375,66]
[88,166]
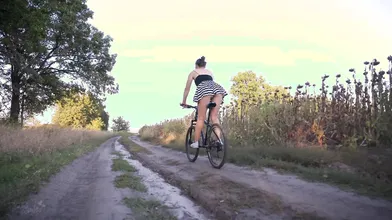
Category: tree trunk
[15,98]
[22,111]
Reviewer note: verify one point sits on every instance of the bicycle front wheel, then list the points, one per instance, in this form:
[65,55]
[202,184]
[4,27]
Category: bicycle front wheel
[191,153]
[217,146]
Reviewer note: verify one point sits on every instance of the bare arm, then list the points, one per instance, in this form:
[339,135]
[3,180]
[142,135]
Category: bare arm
[187,87]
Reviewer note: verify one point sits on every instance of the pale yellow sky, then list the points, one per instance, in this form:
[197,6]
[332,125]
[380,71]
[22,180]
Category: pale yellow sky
[270,55]
[288,42]
[336,24]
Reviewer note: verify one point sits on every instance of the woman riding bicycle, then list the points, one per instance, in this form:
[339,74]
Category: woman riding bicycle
[206,91]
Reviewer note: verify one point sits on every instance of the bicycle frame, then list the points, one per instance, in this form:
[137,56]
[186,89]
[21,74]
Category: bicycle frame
[218,144]
[206,122]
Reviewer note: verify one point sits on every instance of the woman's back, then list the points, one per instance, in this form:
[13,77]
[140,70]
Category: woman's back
[202,71]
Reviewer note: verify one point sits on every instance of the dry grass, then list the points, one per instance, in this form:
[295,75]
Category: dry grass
[30,156]
[44,138]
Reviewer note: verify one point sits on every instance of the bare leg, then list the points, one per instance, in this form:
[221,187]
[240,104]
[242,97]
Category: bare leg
[215,111]
[202,109]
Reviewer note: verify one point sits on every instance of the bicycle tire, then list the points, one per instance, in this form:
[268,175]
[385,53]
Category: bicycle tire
[188,142]
[225,146]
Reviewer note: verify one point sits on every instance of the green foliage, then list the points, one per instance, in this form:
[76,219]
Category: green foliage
[350,113]
[119,124]
[96,124]
[79,111]
[48,48]
[249,90]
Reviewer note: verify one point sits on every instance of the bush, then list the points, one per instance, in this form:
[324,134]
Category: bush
[349,114]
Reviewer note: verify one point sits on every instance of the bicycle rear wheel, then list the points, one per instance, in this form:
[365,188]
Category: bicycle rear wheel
[216,144]
[191,153]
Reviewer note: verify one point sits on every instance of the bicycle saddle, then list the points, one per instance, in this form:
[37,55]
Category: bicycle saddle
[211,105]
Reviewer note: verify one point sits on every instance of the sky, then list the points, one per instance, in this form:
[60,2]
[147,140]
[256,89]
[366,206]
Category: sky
[287,42]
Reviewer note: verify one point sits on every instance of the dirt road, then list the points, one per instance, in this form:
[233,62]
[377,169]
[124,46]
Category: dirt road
[242,193]
[82,190]
[85,190]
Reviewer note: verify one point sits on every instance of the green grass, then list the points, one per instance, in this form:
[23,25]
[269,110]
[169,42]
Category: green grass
[148,209]
[120,164]
[130,181]
[310,164]
[130,145]
[362,184]
[22,173]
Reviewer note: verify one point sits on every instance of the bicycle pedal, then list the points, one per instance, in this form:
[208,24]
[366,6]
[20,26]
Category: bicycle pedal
[217,144]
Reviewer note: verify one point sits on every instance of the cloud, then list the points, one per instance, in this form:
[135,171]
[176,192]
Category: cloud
[229,54]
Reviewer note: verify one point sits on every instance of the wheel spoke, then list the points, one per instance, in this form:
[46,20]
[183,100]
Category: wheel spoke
[217,146]
[191,153]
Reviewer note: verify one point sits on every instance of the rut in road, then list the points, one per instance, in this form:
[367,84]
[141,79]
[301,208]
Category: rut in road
[326,201]
[180,206]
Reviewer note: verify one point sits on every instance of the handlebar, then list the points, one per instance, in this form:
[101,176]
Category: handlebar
[188,106]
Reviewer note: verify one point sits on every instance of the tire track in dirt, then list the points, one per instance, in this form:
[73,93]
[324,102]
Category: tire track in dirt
[157,189]
[81,190]
[259,194]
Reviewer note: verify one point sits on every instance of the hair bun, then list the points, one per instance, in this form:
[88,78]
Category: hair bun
[202,58]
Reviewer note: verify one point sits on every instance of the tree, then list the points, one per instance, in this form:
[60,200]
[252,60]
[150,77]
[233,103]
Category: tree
[47,50]
[80,111]
[249,90]
[119,124]
[105,118]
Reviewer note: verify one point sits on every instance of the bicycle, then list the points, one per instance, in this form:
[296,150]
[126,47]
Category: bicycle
[206,141]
